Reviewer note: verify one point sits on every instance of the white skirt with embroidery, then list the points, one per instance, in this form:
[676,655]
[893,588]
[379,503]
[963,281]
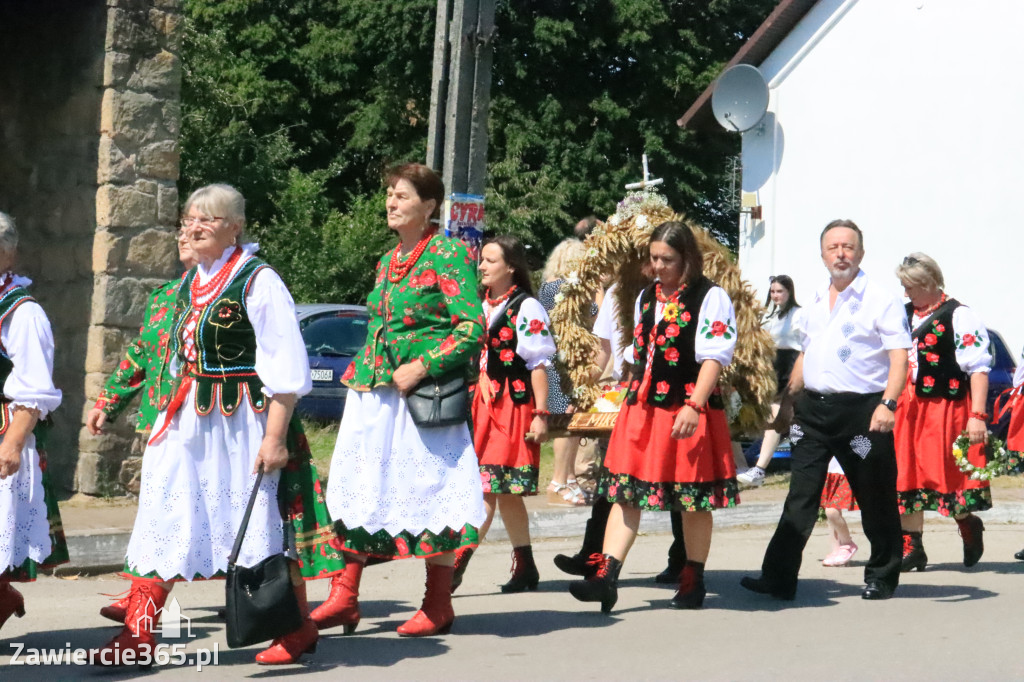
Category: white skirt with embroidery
[24,530]
[196,481]
[388,474]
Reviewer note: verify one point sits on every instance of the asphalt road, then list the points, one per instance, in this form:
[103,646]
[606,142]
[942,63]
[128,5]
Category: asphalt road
[946,623]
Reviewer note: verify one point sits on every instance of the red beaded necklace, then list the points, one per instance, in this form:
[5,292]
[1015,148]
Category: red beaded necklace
[495,302]
[665,299]
[932,308]
[202,294]
[398,268]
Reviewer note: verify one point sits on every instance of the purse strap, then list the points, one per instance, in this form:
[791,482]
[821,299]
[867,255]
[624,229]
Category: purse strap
[237,547]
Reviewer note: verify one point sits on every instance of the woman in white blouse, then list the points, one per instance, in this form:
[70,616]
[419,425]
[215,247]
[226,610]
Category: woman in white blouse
[239,364]
[946,393]
[783,322]
[30,535]
[510,402]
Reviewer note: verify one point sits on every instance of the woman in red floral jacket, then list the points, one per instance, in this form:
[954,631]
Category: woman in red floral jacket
[670,448]
[509,402]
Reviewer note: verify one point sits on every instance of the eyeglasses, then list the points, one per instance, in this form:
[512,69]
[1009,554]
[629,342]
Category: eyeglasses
[205,221]
[910,260]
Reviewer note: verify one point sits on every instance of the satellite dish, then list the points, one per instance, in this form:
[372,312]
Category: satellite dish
[740,98]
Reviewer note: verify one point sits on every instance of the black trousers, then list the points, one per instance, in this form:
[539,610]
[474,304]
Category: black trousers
[837,425]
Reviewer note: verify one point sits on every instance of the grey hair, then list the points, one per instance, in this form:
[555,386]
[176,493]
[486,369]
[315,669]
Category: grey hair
[919,269]
[220,200]
[8,235]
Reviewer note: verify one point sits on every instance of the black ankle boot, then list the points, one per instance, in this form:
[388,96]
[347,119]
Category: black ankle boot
[579,563]
[676,554]
[971,530]
[524,571]
[691,591]
[462,557]
[603,586]
[913,552]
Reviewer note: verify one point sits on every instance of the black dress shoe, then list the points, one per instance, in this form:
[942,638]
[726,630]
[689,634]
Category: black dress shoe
[763,586]
[876,589]
[670,576]
[1019,555]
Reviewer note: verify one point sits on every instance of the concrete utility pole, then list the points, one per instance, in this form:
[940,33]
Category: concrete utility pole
[460,95]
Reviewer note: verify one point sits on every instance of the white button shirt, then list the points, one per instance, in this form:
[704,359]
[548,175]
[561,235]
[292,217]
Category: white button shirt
[846,349]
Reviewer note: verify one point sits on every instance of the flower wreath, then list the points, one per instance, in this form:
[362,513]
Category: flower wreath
[995,453]
[618,246]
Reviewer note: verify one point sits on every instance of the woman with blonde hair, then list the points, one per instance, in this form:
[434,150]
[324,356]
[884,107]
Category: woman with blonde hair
[563,488]
[946,391]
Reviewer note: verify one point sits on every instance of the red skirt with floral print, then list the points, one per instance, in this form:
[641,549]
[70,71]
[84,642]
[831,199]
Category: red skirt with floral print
[837,494]
[924,433]
[641,446]
[499,433]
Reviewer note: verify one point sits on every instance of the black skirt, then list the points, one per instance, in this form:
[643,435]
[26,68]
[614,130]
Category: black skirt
[784,360]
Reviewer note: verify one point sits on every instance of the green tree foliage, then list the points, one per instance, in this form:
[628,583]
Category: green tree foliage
[302,104]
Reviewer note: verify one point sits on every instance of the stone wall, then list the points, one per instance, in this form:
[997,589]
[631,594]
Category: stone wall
[136,208]
[89,117]
[51,69]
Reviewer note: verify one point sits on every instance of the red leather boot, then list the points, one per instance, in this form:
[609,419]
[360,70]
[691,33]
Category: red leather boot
[436,614]
[11,603]
[342,604]
[145,602]
[116,611]
[289,649]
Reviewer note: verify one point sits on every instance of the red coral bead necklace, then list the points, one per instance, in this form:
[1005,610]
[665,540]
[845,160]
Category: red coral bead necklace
[495,302]
[202,294]
[398,268]
[662,298]
[932,308]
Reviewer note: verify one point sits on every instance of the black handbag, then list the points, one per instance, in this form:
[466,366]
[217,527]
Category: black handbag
[261,602]
[435,401]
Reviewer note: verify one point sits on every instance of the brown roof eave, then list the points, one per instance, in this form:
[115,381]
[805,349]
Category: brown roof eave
[766,38]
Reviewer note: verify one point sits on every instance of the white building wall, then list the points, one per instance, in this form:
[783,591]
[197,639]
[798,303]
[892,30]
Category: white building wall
[906,116]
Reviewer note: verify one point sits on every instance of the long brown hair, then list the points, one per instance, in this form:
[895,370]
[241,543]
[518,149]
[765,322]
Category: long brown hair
[680,237]
[514,253]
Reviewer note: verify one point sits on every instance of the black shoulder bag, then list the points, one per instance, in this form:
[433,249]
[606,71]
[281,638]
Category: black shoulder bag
[435,401]
[261,602]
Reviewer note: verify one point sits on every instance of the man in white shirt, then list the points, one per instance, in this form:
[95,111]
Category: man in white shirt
[843,389]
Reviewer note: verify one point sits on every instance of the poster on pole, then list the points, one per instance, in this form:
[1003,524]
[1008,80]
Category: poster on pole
[465,220]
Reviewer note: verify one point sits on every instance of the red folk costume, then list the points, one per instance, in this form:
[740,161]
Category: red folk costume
[644,465]
[518,341]
[1015,434]
[950,344]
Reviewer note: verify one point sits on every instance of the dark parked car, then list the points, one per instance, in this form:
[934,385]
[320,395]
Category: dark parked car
[333,334]
[1000,378]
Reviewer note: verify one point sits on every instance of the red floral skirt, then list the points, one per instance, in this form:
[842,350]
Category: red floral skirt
[646,466]
[837,494]
[509,464]
[927,477]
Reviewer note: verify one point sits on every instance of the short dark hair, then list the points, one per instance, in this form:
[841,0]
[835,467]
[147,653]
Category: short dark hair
[843,222]
[589,223]
[787,283]
[514,253]
[424,180]
[680,237]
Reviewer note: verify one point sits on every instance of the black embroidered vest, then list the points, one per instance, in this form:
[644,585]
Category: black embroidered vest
[225,343]
[8,304]
[938,374]
[504,366]
[674,368]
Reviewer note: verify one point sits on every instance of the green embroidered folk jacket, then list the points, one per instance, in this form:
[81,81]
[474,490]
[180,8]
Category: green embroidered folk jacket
[145,368]
[433,314]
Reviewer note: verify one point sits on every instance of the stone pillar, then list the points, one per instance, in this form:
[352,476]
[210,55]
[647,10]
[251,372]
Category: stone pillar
[136,208]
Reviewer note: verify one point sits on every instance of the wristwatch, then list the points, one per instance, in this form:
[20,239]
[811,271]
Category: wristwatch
[891,404]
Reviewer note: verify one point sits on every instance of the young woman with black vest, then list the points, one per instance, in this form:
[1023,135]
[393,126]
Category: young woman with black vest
[947,387]
[670,449]
[510,401]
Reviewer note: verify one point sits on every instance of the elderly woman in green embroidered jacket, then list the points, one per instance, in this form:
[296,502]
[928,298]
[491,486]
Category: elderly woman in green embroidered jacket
[239,363]
[397,490]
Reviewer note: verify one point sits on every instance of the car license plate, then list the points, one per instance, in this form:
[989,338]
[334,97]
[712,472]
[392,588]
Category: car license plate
[322,374]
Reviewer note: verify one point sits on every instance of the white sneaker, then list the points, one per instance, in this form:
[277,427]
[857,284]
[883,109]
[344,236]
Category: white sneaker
[753,477]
